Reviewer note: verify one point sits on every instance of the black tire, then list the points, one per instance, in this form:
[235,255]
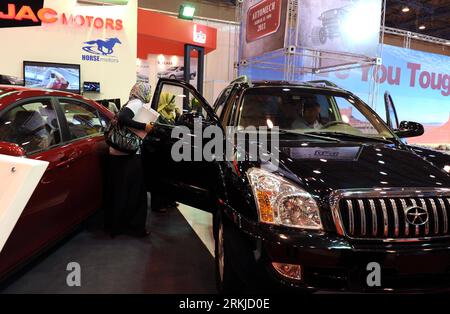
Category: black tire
[173,77]
[227,280]
[239,273]
[319,35]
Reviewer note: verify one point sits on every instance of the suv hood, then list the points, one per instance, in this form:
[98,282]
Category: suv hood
[324,167]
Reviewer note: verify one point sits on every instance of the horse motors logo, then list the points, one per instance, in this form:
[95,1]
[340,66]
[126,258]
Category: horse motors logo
[101,50]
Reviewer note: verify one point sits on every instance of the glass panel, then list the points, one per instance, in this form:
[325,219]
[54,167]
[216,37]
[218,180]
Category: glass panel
[305,111]
[220,102]
[176,100]
[82,119]
[33,125]
[354,117]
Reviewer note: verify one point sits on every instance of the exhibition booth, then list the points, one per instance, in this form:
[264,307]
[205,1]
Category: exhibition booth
[342,43]
[98,42]
[161,43]
[93,44]
[101,42]
[354,178]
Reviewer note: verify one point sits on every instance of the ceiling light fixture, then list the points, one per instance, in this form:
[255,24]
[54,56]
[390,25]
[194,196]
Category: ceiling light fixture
[186,12]
[405,9]
[422,27]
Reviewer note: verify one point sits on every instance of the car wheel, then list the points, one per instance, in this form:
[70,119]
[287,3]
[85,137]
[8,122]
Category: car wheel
[173,77]
[227,280]
[318,35]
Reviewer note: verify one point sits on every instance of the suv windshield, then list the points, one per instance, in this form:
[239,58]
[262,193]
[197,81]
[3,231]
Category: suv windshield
[307,111]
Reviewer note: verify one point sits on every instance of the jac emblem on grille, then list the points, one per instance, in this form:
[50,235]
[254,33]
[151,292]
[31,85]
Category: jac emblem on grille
[416,216]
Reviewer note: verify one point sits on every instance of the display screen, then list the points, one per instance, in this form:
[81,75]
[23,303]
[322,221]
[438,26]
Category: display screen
[56,76]
[93,87]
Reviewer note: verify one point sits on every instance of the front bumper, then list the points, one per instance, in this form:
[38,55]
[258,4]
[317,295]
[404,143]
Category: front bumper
[330,262]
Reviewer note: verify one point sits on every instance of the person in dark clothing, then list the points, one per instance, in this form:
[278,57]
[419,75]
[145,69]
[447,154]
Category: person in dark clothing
[126,194]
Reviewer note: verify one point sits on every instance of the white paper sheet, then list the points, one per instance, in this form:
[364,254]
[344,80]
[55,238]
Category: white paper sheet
[146,115]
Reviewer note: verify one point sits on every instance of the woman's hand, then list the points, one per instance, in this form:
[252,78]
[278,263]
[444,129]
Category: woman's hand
[149,127]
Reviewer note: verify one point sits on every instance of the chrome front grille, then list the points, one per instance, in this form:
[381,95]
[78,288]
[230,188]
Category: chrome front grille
[375,215]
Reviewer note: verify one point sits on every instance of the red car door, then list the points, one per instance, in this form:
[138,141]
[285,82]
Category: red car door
[34,125]
[85,127]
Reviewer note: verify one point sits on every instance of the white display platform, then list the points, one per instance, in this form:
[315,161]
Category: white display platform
[18,179]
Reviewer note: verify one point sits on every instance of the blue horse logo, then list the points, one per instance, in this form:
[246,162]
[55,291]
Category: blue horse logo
[101,47]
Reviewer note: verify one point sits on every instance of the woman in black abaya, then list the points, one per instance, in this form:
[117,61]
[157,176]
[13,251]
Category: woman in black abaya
[126,195]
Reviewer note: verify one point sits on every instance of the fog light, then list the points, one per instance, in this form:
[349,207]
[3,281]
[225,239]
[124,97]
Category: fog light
[289,270]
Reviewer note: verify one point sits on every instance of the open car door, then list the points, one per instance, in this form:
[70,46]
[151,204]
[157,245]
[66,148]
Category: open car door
[403,129]
[173,152]
[391,112]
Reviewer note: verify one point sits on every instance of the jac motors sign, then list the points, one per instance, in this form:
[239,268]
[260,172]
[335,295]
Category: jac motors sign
[18,15]
[264,18]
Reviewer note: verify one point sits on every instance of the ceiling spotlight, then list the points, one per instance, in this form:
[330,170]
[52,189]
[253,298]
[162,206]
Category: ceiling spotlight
[422,27]
[405,9]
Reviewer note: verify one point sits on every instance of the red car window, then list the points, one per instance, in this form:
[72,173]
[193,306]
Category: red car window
[32,125]
[82,119]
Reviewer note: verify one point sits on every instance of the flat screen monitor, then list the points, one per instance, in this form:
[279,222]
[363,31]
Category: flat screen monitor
[55,76]
[91,87]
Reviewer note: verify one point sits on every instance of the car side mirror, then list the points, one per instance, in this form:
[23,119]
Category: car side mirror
[409,129]
[12,149]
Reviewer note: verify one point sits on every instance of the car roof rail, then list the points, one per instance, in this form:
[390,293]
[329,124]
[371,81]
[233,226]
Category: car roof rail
[241,79]
[323,83]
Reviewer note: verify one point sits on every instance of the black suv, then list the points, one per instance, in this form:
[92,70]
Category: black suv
[349,206]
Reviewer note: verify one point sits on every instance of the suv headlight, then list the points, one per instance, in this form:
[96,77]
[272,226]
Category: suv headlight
[447,168]
[280,202]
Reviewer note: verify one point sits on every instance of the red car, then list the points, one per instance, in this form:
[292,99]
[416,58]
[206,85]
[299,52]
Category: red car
[67,131]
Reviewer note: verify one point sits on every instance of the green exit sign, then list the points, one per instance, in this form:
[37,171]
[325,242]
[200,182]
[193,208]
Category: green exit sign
[112,2]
